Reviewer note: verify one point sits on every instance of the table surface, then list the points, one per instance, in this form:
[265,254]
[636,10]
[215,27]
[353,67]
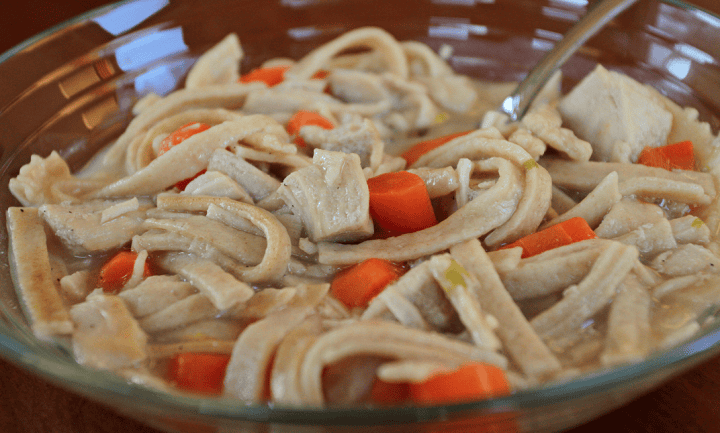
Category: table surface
[689,403]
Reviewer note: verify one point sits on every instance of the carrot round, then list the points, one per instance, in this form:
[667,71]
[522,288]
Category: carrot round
[564,233]
[271,76]
[414,153]
[673,156]
[198,372]
[118,270]
[181,134]
[304,118]
[399,202]
[473,381]
[357,285]
[386,393]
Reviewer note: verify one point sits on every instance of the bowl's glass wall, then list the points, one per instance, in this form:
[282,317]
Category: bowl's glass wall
[72,90]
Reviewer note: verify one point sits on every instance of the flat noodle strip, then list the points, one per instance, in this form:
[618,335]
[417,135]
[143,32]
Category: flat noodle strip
[227,96]
[182,313]
[629,334]
[535,199]
[486,212]
[277,254]
[461,287]
[192,155]
[560,325]
[218,65]
[158,351]
[373,37]
[551,271]
[681,192]
[285,376]
[223,290]
[140,152]
[585,176]
[384,339]
[519,339]
[593,207]
[30,269]
[245,375]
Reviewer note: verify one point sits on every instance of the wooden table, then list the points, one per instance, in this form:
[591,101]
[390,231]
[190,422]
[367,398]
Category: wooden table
[689,403]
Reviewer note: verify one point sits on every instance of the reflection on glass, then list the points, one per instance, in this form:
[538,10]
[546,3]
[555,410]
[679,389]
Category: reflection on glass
[679,67]
[694,53]
[98,112]
[560,14]
[86,77]
[300,33]
[127,16]
[148,49]
[161,79]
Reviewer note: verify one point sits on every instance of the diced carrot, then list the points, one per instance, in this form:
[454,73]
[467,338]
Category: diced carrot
[473,381]
[399,202]
[184,183]
[564,233]
[578,229]
[357,285]
[198,372]
[178,136]
[321,74]
[414,153]
[118,270]
[387,393]
[304,118]
[181,134]
[271,76]
[673,156]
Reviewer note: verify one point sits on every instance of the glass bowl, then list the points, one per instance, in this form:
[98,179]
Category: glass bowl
[72,88]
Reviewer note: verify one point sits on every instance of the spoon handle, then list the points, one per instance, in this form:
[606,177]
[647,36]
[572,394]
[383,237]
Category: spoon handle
[600,14]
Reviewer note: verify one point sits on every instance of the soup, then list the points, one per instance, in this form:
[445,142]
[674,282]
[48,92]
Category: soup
[358,227]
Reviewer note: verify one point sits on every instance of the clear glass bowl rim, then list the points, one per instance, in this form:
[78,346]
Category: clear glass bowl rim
[110,388]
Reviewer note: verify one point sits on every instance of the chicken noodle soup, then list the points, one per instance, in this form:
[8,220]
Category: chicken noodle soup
[336,230]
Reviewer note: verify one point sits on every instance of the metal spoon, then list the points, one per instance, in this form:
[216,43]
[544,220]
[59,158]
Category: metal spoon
[517,104]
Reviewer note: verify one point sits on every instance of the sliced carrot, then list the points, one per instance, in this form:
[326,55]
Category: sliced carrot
[357,285]
[198,372]
[320,75]
[118,270]
[414,153]
[387,393]
[181,134]
[271,76]
[304,118]
[399,202]
[473,381]
[673,156]
[564,233]
[184,183]
[178,136]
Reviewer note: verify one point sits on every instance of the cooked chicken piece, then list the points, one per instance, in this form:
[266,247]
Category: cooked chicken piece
[356,135]
[617,115]
[331,197]
[687,259]
[106,335]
